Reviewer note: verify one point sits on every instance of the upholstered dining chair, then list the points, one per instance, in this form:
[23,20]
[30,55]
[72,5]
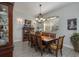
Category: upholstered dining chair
[58,45]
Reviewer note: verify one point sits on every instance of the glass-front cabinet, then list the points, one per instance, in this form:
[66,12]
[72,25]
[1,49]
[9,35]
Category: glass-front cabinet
[6,29]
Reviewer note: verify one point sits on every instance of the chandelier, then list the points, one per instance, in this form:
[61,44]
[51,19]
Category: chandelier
[40,18]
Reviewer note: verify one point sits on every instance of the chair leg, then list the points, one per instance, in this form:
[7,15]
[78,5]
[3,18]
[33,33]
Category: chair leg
[41,52]
[61,51]
[36,48]
[31,45]
[56,53]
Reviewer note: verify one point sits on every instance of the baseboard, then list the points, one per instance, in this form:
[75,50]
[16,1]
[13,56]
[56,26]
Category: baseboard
[68,46]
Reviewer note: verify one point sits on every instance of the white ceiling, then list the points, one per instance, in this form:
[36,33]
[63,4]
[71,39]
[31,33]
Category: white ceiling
[32,8]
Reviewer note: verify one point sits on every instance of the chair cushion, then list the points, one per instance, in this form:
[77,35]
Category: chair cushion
[54,46]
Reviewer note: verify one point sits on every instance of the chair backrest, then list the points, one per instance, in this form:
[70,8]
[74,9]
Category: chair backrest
[37,33]
[36,39]
[52,35]
[61,39]
[32,38]
[39,41]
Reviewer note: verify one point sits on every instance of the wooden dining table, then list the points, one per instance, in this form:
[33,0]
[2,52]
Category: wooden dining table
[46,38]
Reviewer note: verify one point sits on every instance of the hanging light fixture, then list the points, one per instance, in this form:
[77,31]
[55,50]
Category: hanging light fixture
[40,18]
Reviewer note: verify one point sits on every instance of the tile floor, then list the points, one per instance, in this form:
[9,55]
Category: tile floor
[21,49]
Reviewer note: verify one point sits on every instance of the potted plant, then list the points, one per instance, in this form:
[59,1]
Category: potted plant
[75,41]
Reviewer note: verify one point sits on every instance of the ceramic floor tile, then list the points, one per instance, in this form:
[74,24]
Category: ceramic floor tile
[22,49]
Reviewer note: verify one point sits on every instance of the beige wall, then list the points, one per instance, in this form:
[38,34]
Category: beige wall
[65,13]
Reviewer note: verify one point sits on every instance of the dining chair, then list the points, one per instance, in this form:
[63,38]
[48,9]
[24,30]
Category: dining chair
[33,40]
[40,44]
[58,45]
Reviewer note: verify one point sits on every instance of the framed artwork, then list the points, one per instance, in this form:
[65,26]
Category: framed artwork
[72,24]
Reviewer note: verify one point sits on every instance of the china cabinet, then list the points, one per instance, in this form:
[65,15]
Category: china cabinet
[27,28]
[6,29]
